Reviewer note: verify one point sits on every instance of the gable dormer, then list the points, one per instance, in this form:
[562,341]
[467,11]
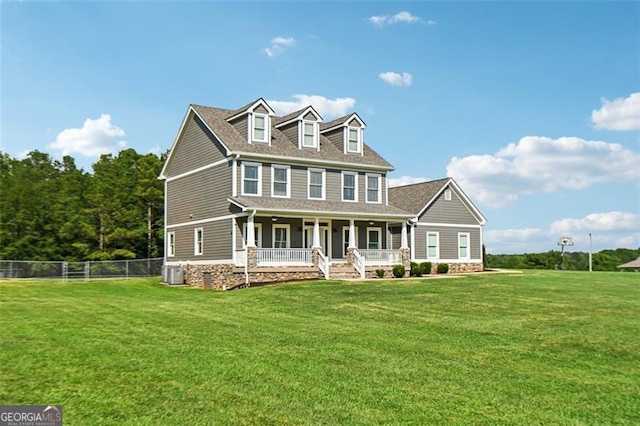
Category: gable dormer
[346,133]
[302,127]
[253,121]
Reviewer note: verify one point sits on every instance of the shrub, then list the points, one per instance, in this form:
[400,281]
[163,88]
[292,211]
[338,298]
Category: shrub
[443,268]
[398,271]
[425,268]
[380,273]
[415,270]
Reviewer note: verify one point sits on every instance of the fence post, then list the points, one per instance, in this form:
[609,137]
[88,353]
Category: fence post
[65,272]
[87,271]
[126,268]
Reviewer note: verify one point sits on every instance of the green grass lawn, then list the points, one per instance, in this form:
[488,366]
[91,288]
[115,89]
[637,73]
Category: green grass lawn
[531,348]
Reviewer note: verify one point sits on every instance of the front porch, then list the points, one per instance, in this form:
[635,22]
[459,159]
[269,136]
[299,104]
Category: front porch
[319,243]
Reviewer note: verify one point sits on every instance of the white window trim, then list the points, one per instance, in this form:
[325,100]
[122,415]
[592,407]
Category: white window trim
[273,233]
[324,183]
[379,230]
[198,251]
[267,128]
[437,234]
[171,244]
[346,139]
[259,194]
[366,184]
[468,235]
[355,190]
[315,134]
[256,227]
[447,194]
[273,180]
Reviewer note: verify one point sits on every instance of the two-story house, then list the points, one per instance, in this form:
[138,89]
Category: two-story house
[253,197]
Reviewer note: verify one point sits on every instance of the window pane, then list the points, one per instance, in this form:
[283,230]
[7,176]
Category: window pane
[309,135]
[349,194]
[353,140]
[374,240]
[251,172]
[259,122]
[350,180]
[316,178]
[280,175]
[315,192]
[280,238]
[372,195]
[372,182]
[280,188]
[250,187]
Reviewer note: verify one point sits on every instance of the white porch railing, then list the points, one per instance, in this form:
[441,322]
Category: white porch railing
[284,257]
[358,263]
[381,256]
[323,264]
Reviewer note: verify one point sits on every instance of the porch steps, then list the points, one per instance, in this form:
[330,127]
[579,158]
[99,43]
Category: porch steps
[342,271]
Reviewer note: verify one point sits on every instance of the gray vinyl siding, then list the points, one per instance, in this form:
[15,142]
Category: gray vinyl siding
[354,123]
[395,234]
[260,109]
[448,239]
[452,211]
[216,237]
[362,233]
[196,148]
[310,117]
[199,196]
[336,137]
[241,124]
[334,185]
[299,178]
[291,132]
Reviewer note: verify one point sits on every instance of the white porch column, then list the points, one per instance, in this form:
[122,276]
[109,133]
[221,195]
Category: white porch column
[404,243]
[352,234]
[316,234]
[251,233]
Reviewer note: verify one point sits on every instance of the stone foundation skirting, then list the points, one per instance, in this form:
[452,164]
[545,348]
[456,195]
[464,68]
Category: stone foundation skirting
[227,276]
[457,268]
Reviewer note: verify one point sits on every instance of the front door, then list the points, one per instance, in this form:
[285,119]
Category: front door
[325,239]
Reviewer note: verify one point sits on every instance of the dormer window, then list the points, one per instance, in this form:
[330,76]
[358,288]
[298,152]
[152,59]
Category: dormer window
[309,134]
[260,131]
[353,139]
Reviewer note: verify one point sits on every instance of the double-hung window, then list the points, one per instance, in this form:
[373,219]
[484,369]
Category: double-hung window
[349,186]
[251,182]
[197,242]
[259,131]
[309,134]
[373,188]
[373,238]
[317,184]
[463,245]
[432,245]
[353,139]
[280,177]
[171,244]
[281,236]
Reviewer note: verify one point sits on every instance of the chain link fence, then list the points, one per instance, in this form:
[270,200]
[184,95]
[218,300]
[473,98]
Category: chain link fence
[81,270]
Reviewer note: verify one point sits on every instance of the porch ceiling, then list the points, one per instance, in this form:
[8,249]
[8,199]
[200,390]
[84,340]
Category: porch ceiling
[319,207]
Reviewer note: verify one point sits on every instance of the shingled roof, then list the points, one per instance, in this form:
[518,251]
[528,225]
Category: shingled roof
[413,198]
[282,146]
[322,206]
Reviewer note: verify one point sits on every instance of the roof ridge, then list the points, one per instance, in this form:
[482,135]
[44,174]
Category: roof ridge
[420,183]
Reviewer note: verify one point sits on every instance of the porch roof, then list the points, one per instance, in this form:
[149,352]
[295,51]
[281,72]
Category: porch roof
[322,207]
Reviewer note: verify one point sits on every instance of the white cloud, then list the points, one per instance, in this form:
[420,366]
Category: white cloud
[327,108]
[619,114]
[403,17]
[396,79]
[404,180]
[609,221]
[96,137]
[538,164]
[278,45]
[610,230]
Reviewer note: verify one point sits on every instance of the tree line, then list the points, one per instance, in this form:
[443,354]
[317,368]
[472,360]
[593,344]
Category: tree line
[605,260]
[52,210]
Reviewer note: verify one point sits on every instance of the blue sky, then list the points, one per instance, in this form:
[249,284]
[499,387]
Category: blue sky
[533,107]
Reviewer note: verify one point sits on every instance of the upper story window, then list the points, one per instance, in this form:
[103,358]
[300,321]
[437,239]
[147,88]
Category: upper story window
[349,186]
[373,188]
[317,184]
[251,179]
[353,139]
[197,242]
[260,130]
[447,194]
[280,178]
[309,134]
